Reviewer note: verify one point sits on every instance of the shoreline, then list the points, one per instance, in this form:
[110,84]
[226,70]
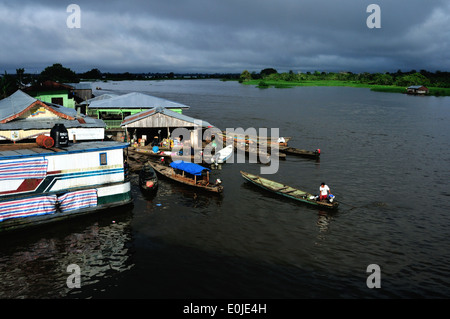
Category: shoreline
[280,84]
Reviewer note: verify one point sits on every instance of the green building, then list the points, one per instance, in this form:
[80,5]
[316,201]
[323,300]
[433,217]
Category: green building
[112,109]
[53,92]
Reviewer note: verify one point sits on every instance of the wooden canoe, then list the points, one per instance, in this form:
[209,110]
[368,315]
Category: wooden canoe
[296,151]
[287,191]
[185,178]
[148,180]
[261,154]
[242,138]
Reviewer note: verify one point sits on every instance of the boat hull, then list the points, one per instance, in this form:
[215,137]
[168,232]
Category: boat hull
[287,191]
[39,186]
[169,172]
[148,180]
[109,196]
[300,152]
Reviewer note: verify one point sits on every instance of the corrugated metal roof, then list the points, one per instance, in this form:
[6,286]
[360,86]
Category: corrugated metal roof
[49,123]
[135,100]
[15,103]
[99,98]
[415,87]
[144,114]
[27,150]
[81,86]
[20,101]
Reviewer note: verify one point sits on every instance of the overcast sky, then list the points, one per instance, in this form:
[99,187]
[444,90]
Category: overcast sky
[225,35]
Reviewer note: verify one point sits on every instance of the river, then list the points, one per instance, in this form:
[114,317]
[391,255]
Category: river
[385,156]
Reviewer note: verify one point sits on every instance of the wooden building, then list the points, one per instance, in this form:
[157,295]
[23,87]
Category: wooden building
[161,122]
[417,89]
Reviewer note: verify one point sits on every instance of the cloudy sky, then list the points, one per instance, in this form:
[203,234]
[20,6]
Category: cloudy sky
[225,35]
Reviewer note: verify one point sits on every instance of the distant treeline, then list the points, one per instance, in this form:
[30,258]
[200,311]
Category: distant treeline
[9,83]
[433,79]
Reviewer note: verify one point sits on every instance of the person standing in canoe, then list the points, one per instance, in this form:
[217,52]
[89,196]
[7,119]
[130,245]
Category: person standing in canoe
[324,190]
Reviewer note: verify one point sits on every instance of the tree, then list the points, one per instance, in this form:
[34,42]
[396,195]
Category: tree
[92,74]
[7,85]
[383,79]
[58,73]
[20,72]
[412,79]
[245,76]
[267,72]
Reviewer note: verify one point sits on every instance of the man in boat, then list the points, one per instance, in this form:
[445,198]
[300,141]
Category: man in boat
[324,190]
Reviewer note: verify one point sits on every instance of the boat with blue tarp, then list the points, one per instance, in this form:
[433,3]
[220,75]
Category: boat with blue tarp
[190,174]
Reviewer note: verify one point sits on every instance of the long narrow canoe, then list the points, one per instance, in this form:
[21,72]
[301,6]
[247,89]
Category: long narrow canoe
[296,151]
[242,138]
[260,153]
[187,178]
[287,191]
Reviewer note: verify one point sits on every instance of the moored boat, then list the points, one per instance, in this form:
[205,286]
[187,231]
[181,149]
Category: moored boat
[261,152]
[300,152]
[190,174]
[243,138]
[288,191]
[40,185]
[148,180]
[222,155]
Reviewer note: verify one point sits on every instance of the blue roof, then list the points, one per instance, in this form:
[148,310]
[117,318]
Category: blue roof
[190,168]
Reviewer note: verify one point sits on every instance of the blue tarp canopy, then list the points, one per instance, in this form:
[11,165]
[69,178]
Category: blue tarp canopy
[190,168]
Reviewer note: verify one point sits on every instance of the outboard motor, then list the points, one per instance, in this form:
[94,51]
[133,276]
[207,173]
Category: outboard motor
[60,135]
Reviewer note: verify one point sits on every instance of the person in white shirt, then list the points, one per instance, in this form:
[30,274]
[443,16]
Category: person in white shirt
[324,190]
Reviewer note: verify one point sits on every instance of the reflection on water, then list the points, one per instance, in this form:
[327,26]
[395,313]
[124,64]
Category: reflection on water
[33,264]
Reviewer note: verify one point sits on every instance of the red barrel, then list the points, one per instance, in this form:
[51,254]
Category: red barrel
[45,141]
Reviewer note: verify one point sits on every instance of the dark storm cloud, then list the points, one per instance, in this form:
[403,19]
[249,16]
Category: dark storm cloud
[226,36]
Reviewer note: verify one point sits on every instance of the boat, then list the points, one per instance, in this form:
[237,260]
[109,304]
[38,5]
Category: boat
[41,185]
[258,152]
[188,173]
[222,155]
[148,180]
[288,191]
[243,138]
[300,152]
[169,156]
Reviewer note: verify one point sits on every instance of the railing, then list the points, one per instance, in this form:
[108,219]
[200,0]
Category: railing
[112,123]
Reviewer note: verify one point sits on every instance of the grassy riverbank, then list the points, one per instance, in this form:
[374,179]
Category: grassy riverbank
[265,83]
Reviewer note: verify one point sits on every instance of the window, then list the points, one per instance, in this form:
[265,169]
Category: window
[103,159]
[58,100]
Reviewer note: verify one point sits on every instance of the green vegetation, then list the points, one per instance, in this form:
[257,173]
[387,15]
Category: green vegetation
[438,83]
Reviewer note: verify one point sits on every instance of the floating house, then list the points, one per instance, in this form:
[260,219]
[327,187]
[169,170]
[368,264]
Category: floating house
[114,109]
[417,89]
[39,185]
[160,122]
[53,92]
[23,118]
